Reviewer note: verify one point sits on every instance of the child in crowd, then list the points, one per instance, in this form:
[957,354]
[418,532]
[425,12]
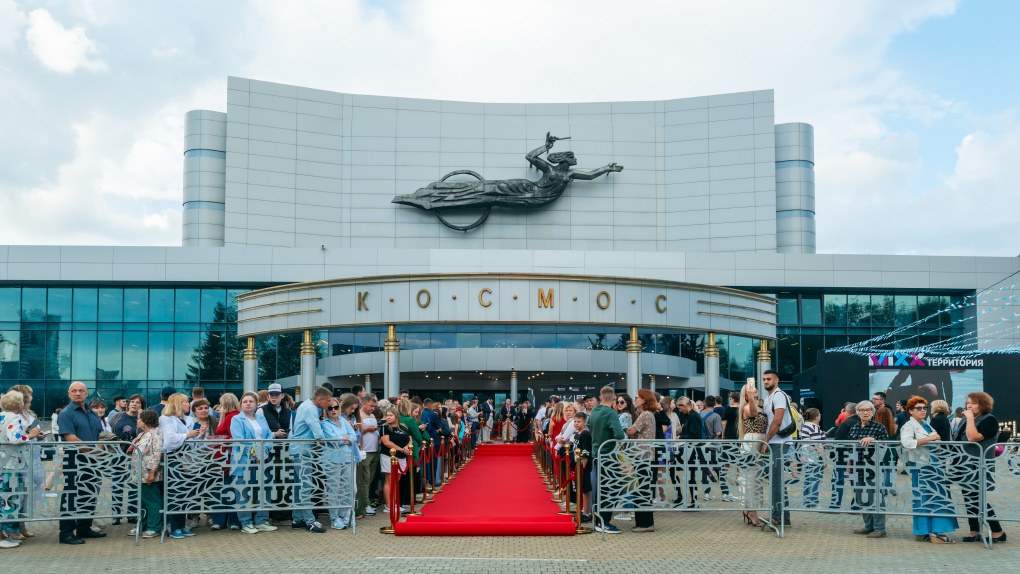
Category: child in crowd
[582,441]
[150,444]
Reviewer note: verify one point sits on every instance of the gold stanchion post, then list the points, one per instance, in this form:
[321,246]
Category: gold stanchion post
[410,481]
[393,473]
[580,496]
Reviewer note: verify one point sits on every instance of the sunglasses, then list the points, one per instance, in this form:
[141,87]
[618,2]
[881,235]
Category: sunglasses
[920,408]
[333,408]
[621,402]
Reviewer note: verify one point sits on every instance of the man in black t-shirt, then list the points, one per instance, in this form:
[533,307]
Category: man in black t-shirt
[729,420]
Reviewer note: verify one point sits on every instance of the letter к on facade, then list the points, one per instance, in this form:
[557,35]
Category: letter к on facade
[506,298]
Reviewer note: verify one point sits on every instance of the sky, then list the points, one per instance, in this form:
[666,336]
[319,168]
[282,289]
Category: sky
[914,103]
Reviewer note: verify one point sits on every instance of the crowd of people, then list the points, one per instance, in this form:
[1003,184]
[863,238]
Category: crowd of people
[365,430]
[775,419]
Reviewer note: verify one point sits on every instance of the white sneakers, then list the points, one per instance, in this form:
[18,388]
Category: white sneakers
[265,527]
[249,529]
[8,543]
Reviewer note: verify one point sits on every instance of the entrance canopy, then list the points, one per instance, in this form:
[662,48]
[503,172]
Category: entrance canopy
[506,298]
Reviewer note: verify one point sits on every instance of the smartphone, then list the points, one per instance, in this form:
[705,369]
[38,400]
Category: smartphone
[34,424]
[750,380]
[196,426]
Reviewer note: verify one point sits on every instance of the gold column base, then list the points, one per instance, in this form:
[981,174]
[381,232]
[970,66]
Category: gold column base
[415,513]
[386,530]
[583,530]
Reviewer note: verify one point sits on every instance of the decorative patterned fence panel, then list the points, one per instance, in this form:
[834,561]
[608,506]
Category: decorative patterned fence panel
[264,475]
[69,481]
[674,475]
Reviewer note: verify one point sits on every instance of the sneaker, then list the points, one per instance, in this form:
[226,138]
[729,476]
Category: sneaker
[622,516]
[299,525]
[133,531]
[95,528]
[249,529]
[187,532]
[8,543]
[338,525]
[862,531]
[730,498]
[876,534]
[315,527]
[370,511]
[235,526]
[607,529]
[149,534]
[585,518]
[386,509]
[216,527]
[265,527]
[177,535]
[708,497]
[116,522]
[194,523]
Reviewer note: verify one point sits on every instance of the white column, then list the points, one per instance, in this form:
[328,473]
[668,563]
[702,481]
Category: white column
[651,383]
[307,366]
[764,364]
[368,383]
[711,366]
[633,363]
[391,378]
[251,367]
[513,386]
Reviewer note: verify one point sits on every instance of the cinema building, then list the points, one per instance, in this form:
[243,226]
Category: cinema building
[672,247]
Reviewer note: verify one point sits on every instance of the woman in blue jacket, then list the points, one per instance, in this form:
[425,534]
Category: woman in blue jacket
[339,458]
[249,425]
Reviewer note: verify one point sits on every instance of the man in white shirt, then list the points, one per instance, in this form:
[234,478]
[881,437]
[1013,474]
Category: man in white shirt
[777,409]
[370,462]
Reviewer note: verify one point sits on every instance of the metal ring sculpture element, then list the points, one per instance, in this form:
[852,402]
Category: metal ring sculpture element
[481,220]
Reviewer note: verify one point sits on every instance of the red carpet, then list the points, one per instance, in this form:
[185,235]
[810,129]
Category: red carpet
[499,493]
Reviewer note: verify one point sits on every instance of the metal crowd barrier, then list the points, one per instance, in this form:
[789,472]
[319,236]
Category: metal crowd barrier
[1002,483]
[950,480]
[845,477]
[679,475]
[226,476]
[69,481]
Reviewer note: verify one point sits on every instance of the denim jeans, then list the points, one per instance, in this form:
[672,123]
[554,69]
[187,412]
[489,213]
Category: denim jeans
[778,486]
[303,497]
[874,522]
[812,479]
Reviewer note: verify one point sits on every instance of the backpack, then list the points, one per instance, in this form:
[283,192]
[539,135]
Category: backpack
[707,413]
[796,422]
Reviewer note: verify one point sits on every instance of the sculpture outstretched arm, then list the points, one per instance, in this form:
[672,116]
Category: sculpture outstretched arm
[592,174]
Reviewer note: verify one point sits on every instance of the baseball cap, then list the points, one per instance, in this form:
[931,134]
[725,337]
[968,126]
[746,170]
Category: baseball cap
[275,388]
[167,391]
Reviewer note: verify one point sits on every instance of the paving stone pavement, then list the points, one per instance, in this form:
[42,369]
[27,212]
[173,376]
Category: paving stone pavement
[715,542]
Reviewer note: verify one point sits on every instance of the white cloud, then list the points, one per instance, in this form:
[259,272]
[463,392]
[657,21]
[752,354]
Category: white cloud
[164,53]
[60,49]
[12,20]
[120,181]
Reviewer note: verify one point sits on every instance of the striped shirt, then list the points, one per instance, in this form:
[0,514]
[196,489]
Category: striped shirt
[811,431]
